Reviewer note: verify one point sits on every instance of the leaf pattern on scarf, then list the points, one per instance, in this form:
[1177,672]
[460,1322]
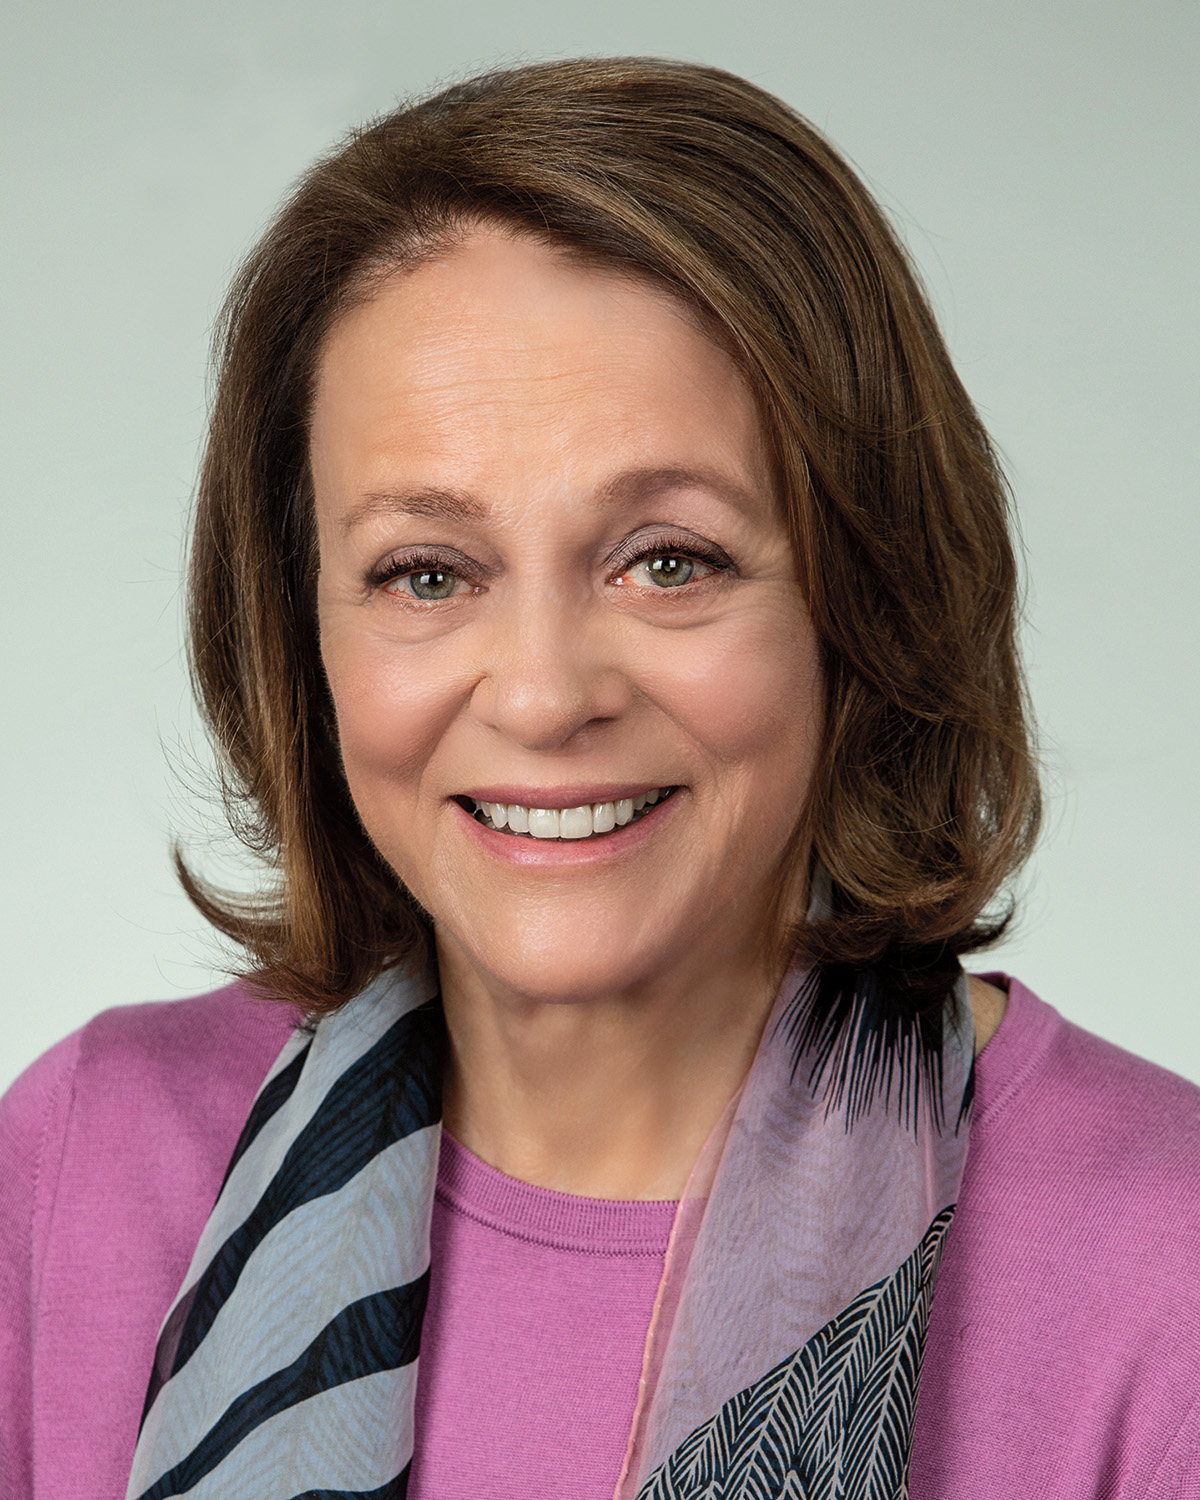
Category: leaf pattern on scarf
[832,1422]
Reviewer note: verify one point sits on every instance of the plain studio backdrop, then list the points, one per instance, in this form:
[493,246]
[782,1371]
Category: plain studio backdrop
[1039,158]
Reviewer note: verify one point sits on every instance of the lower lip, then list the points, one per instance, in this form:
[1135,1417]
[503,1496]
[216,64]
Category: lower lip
[517,849]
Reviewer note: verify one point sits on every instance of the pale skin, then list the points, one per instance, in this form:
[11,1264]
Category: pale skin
[511,451]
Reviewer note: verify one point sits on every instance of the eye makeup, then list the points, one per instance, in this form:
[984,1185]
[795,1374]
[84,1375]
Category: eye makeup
[449,561]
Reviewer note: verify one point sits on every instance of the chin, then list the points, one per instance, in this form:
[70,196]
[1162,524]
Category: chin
[565,963]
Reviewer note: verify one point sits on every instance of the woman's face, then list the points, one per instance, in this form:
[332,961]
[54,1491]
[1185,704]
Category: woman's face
[553,577]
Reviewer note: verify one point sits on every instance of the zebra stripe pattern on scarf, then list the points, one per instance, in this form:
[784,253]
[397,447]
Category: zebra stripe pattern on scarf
[834,1419]
[257,1394]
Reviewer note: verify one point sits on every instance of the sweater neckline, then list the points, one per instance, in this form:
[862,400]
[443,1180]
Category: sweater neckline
[470,1187]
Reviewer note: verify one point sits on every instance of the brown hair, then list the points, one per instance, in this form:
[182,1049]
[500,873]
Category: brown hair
[925,798]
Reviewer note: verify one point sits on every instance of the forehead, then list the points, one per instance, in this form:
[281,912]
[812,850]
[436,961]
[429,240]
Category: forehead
[506,353]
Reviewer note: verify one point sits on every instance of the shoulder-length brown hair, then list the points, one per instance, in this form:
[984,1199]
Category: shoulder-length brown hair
[925,799]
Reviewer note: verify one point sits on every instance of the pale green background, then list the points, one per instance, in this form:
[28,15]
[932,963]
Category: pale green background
[1040,157]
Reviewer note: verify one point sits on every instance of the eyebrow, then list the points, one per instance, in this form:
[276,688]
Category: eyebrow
[624,489]
[447,505]
[645,484]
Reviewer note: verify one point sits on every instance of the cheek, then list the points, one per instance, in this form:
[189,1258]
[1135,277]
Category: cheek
[754,701]
[392,707]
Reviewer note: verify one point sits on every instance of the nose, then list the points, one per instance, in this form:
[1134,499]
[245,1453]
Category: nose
[552,668]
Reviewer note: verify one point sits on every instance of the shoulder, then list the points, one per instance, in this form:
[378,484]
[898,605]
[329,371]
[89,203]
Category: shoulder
[1061,1111]
[229,1030]
[1065,1332]
[142,1094]
[209,1046]
[112,1149]
[1082,1182]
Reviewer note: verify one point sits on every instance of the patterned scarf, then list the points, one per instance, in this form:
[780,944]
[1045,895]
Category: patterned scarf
[785,1348]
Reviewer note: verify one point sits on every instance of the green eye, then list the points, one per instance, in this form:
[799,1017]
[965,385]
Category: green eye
[670,571]
[432,583]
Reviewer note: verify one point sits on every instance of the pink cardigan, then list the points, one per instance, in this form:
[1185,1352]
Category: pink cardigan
[1064,1350]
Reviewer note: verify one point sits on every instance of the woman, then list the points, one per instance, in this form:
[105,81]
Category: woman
[603,604]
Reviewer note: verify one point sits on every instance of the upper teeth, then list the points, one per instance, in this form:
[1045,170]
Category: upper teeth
[568,822]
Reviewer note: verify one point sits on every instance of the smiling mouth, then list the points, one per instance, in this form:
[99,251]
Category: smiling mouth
[593,820]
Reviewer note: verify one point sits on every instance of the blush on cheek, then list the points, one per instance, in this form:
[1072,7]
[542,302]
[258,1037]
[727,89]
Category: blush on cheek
[754,698]
[390,720]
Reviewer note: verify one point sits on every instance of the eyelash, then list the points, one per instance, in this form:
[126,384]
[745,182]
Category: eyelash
[394,568]
[416,562]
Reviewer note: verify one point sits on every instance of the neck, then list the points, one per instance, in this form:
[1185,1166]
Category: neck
[609,1097]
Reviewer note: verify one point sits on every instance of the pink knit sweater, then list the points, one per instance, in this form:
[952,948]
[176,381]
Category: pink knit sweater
[1064,1350]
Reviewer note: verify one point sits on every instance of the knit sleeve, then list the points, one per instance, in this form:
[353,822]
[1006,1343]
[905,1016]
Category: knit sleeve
[33,1120]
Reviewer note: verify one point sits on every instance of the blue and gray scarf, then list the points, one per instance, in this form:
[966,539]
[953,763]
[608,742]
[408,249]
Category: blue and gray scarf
[785,1350]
